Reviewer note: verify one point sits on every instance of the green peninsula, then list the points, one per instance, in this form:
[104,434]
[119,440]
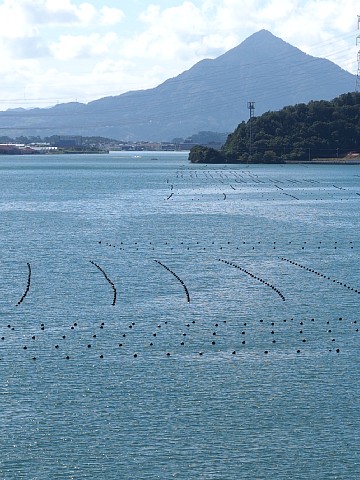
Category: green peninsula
[315,131]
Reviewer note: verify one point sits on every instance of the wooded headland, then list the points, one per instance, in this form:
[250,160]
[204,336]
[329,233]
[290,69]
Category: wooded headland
[318,131]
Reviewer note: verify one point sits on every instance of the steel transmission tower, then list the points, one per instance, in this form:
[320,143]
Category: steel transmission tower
[251,107]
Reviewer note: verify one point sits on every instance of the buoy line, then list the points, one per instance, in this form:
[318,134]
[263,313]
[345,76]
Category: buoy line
[178,278]
[27,285]
[254,276]
[315,272]
[107,279]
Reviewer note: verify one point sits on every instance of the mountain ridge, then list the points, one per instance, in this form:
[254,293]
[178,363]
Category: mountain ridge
[211,95]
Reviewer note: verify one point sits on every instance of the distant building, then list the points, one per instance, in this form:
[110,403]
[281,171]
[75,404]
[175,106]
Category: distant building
[43,147]
[66,141]
[15,149]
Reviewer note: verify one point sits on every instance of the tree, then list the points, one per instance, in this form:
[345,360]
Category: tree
[200,154]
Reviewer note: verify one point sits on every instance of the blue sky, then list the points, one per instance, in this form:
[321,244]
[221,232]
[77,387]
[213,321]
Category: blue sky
[56,51]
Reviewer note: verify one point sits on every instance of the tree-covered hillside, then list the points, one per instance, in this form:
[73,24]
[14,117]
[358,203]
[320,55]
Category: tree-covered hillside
[319,129]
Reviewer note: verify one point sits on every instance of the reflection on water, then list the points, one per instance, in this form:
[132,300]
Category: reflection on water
[237,360]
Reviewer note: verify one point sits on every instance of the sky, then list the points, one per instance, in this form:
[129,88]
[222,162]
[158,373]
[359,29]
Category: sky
[58,51]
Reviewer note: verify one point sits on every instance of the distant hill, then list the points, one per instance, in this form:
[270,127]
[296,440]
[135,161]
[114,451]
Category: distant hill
[210,96]
[319,129]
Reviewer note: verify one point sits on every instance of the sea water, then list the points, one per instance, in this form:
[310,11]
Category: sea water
[166,320]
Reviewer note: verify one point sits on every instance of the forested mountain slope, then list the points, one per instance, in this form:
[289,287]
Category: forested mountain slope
[318,129]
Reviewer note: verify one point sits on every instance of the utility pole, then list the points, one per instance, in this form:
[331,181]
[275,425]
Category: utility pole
[251,107]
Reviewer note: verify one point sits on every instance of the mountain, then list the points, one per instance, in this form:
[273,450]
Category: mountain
[211,96]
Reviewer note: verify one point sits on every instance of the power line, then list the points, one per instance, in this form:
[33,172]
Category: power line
[277,87]
[333,54]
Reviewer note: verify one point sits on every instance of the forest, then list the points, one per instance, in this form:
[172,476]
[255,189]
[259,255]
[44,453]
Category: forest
[303,132]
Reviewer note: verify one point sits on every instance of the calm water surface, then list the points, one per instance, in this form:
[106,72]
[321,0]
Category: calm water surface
[166,320]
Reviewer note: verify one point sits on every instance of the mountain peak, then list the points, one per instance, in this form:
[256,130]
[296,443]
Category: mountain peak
[262,34]
[259,46]
[210,96]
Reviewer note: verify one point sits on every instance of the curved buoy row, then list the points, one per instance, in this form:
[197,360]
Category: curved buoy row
[178,278]
[27,285]
[107,279]
[171,194]
[311,270]
[254,276]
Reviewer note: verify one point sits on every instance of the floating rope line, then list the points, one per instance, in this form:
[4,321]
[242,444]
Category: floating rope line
[27,286]
[107,279]
[254,276]
[178,278]
[311,270]
[292,196]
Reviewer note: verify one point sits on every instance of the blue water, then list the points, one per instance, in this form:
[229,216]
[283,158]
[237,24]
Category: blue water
[255,377]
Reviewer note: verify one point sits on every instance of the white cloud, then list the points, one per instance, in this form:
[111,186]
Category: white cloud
[13,21]
[188,32]
[51,12]
[28,28]
[23,48]
[70,46]
[111,16]
[179,34]
[165,41]
[21,16]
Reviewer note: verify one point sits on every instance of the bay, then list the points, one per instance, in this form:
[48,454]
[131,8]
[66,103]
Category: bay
[230,350]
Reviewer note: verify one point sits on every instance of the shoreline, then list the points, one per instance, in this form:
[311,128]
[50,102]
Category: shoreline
[327,161]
